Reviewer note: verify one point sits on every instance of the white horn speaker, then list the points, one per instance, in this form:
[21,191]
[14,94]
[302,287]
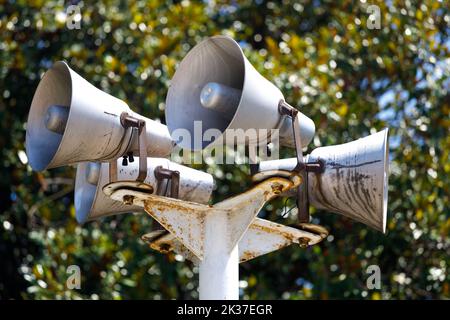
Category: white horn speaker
[91,203]
[72,121]
[355,180]
[216,87]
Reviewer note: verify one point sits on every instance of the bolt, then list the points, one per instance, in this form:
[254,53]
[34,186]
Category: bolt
[277,189]
[128,199]
[165,248]
[303,242]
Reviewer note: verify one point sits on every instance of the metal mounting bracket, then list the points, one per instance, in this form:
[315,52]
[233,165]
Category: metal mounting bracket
[302,168]
[189,224]
[262,237]
[136,124]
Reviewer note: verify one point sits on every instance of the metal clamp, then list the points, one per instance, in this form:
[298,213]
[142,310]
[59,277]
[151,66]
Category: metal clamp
[162,174]
[137,125]
[302,168]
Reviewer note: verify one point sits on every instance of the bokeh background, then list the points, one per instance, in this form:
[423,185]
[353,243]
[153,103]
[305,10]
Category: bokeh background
[350,79]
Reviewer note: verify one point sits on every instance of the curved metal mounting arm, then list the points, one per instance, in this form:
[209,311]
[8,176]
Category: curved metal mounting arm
[172,176]
[261,237]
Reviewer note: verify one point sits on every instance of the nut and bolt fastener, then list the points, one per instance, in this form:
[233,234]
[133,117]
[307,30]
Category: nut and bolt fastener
[303,242]
[127,199]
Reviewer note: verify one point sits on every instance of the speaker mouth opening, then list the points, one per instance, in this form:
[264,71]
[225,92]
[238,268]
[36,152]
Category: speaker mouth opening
[85,194]
[385,179]
[218,59]
[55,88]
[91,202]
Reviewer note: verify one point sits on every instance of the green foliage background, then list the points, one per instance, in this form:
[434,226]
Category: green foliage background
[351,80]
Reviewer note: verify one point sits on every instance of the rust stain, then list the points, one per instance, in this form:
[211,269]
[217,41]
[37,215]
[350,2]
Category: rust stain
[128,199]
[153,205]
[277,188]
[287,235]
[339,166]
[248,255]
[303,242]
[357,178]
[324,201]
[274,182]
[164,205]
[350,190]
[165,247]
[154,236]
[315,229]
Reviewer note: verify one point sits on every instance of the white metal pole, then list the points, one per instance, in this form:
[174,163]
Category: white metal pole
[219,269]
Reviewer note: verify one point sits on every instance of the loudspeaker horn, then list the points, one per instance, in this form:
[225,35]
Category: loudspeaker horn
[71,121]
[354,182]
[91,203]
[217,87]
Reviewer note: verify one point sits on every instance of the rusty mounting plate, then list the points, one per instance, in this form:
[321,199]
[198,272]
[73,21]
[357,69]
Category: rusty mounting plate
[187,221]
[164,242]
[262,237]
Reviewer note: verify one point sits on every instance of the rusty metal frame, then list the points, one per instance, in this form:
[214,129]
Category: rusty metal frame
[262,237]
[218,237]
[186,221]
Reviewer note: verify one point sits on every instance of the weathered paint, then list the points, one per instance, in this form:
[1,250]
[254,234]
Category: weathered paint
[164,242]
[355,180]
[93,131]
[212,233]
[264,236]
[261,237]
